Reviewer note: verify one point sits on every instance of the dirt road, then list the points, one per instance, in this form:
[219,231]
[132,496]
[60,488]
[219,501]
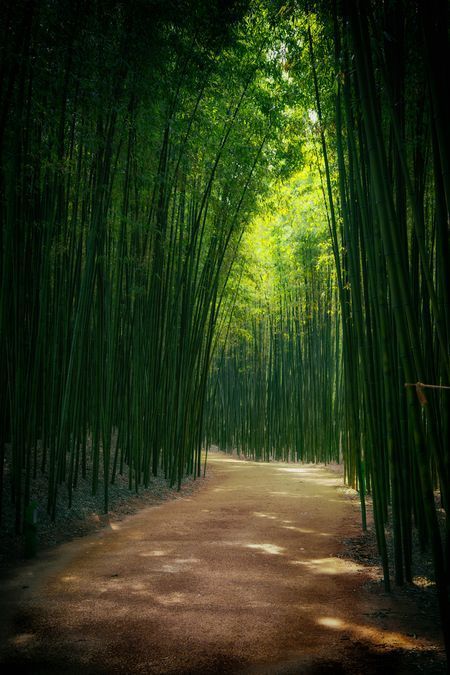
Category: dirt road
[241,577]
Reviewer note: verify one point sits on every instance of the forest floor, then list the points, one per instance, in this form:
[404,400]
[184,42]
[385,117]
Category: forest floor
[259,569]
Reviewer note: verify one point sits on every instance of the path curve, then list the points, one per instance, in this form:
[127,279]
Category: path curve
[241,577]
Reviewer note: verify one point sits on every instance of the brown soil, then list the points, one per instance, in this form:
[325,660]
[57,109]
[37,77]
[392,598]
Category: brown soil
[248,574]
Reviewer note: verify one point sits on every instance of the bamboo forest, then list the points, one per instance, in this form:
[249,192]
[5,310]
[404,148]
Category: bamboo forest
[225,256]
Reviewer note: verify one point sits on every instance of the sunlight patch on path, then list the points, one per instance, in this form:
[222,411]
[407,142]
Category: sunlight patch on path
[374,635]
[329,566]
[273,549]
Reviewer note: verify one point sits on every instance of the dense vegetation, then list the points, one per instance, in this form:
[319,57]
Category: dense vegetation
[228,221]
[274,389]
[132,146]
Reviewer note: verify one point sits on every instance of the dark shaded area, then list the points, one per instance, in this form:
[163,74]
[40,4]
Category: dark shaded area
[359,658]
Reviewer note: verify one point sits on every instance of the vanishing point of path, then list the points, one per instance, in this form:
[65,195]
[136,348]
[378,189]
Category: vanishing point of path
[243,576]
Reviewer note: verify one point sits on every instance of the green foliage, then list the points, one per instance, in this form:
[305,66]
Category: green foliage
[135,140]
[273,388]
[386,204]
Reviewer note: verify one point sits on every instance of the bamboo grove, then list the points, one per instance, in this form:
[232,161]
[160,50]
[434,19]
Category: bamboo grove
[132,141]
[274,386]
[392,157]
[138,140]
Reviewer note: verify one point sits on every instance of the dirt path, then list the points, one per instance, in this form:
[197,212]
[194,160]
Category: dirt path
[241,577]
